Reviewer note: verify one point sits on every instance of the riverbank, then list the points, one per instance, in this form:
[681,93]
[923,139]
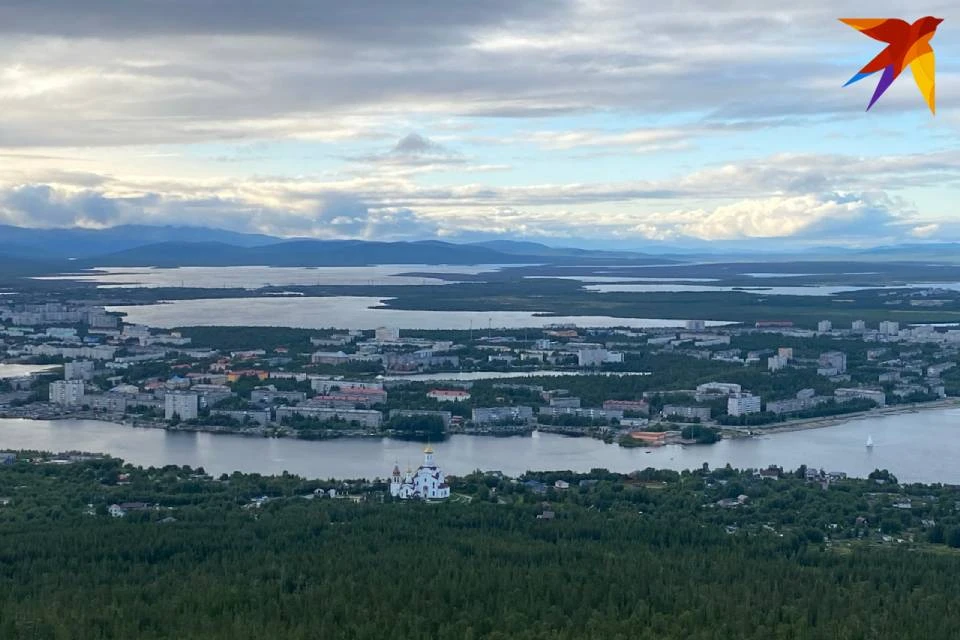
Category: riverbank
[804,424]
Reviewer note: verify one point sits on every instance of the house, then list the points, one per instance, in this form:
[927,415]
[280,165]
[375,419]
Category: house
[732,502]
[448,395]
[536,486]
[546,515]
[561,484]
[8,458]
[770,473]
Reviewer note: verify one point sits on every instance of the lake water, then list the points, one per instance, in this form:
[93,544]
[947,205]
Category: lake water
[19,370]
[256,277]
[799,290]
[918,447]
[352,312]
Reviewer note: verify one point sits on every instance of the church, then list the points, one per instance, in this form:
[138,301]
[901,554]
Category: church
[428,483]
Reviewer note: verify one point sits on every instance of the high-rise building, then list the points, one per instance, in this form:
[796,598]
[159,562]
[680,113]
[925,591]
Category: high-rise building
[775,363]
[66,392]
[743,403]
[834,360]
[824,326]
[182,405]
[859,325]
[889,328]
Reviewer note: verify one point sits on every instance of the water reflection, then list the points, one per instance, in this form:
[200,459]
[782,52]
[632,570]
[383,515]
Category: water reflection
[918,447]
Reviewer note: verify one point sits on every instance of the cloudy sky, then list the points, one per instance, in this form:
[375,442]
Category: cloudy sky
[590,122]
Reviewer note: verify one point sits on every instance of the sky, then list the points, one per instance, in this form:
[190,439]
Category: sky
[597,123]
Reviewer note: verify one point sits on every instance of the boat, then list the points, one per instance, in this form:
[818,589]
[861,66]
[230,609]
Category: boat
[869,442]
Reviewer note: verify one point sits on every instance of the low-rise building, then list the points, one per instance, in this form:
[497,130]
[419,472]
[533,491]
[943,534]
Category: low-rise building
[795,405]
[363,417]
[641,407]
[583,412]
[687,412]
[79,370]
[715,390]
[493,415]
[260,417]
[876,395]
[268,395]
[448,395]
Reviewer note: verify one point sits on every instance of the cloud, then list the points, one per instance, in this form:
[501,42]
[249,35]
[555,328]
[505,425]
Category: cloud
[315,117]
[97,72]
[925,230]
[426,21]
[415,144]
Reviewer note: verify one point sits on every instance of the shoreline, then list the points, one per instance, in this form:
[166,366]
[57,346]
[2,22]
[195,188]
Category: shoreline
[732,433]
[805,424]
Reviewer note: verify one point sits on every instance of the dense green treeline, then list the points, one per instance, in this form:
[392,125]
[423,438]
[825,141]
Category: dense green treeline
[645,557]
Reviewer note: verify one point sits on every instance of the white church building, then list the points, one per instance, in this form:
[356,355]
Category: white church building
[428,483]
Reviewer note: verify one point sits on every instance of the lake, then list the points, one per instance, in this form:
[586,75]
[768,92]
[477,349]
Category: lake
[917,447]
[256,277]
[352,312]
[20,370]
[798,290]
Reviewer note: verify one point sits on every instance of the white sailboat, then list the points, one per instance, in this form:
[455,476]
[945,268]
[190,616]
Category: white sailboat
[869,442]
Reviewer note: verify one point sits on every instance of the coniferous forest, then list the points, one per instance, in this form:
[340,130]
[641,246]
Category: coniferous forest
[714,554]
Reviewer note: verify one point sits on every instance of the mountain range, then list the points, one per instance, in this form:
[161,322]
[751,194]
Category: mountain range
[29,250]
[142,245]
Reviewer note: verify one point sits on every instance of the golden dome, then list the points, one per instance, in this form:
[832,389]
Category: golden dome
[428,449]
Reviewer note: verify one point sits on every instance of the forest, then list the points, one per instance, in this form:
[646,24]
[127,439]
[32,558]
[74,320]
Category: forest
[708,554]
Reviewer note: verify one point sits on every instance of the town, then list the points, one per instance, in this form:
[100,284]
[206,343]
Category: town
[636,387]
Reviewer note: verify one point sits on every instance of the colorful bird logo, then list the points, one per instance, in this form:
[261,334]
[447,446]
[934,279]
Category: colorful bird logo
[907,44]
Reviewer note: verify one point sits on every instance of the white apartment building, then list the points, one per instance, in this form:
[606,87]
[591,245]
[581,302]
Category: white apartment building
[889,328]
[386,334]
[824,326]
[66,392]
[775,363]
[591,357]
[876,395]
[182,405]
[740,404]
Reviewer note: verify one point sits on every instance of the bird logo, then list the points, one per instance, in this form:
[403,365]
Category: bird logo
[907,44]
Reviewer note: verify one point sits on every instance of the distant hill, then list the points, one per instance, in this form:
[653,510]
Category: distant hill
[82,243]
[139,245]
[306,253]
[514,247]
